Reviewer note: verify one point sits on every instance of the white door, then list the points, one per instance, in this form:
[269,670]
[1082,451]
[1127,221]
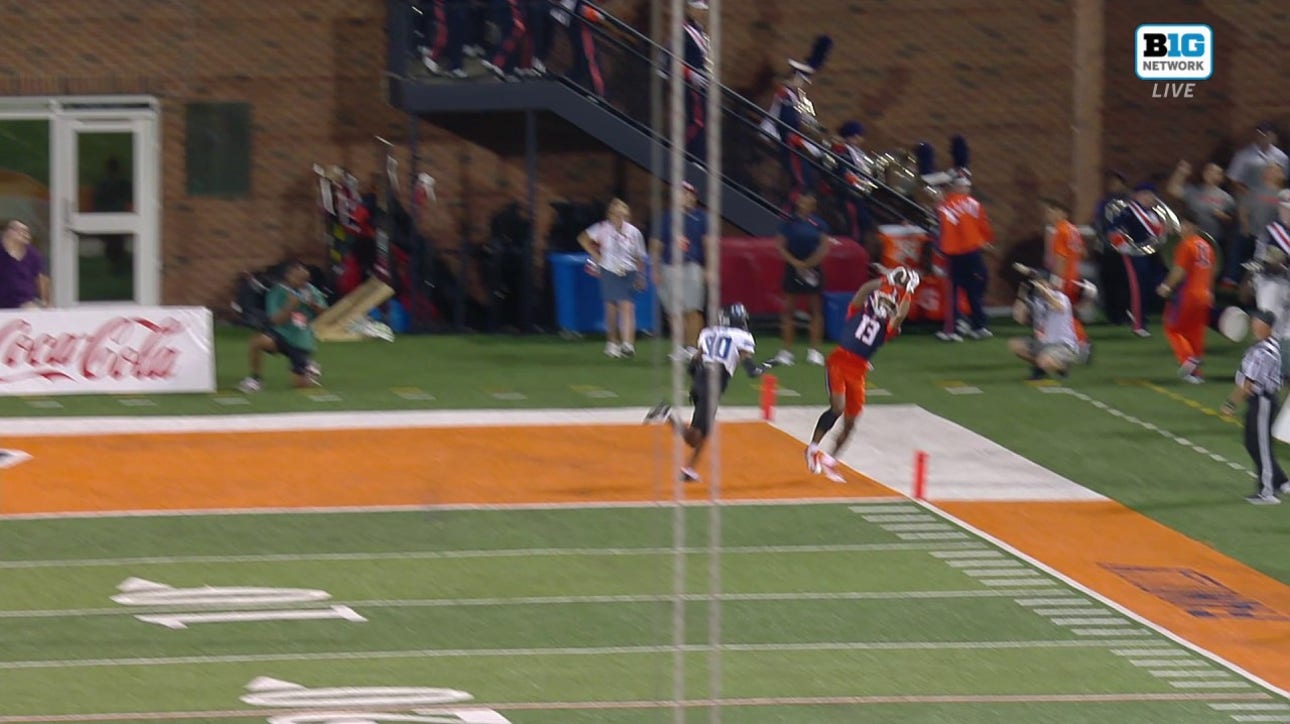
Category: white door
[105,240]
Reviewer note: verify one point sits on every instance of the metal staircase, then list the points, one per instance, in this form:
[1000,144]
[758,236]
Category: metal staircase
[501,115]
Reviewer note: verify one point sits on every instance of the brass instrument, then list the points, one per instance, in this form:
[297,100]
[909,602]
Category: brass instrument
[1172,228]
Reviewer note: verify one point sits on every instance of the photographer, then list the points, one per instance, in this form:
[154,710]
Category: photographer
[1054,348]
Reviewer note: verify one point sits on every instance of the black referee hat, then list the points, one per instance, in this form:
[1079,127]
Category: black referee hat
[1264,315]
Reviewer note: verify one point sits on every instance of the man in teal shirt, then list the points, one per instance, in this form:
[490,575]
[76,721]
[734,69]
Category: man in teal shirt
[290,306]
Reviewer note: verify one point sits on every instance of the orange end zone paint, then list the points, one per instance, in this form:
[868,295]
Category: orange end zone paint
[479,465]
[1171,580]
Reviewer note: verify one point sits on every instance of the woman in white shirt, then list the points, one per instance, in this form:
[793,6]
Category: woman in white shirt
[617,252]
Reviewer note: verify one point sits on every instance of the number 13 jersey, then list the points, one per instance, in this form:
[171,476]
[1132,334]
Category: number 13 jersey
[864,332]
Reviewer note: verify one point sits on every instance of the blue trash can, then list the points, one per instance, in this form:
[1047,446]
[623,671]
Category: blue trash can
[578,305]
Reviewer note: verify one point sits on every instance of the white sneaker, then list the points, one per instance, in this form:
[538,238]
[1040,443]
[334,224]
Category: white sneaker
[249,385]
[1193,380]
[1142,333]
[785,358]
[613,350]
[458,74]
[627,350]
[981,333]
[430,64]
[1262,499]
[952,337]
[488,66]
[813,356]
[689,475]
[1285,488]
[539,67]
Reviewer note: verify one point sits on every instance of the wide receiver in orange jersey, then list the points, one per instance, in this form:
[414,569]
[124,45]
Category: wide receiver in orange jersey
[873,318]
[1189,289]
[1063,253]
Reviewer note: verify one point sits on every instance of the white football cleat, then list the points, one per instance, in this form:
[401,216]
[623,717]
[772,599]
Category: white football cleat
[829,466]
[689,475]
[785,358]
[813,461]
[249,385]
[815,357]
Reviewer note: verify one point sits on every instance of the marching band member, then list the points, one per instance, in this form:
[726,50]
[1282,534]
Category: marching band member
[1135,228]
[854,169]
[796,119]
[698,74]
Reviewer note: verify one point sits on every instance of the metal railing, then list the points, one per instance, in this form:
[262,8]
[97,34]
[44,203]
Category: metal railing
[629,61]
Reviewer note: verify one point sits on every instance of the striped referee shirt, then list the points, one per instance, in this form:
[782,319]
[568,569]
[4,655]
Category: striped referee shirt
[1261,366]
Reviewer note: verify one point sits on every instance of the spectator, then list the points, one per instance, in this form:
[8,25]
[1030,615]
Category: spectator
[1248,163]
[1051,350]
[681,286]
[803,241]
[290,306]
[1214,209]
[965,233]
[24,283]
[1111,273]
[617,251]
[1259,207]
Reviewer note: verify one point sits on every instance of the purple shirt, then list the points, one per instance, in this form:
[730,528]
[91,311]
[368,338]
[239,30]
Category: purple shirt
[18,278]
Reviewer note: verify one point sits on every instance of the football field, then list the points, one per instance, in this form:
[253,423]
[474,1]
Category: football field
[369,568]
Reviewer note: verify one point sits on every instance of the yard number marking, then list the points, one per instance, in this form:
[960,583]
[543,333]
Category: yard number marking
[428,705]
[229,603]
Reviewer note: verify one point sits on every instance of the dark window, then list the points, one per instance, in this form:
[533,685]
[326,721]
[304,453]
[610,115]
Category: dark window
[219,149]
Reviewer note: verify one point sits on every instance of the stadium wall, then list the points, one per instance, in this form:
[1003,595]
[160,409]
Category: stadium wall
[1001,72]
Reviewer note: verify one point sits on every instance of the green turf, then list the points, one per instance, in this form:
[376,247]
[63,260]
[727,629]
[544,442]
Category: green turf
[817,603]
[1175,485]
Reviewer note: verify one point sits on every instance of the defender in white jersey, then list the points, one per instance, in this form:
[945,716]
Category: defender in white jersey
[723,347]
[1054,348]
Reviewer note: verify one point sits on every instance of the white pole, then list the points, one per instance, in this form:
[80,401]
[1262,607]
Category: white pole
[676,168]
[713,255]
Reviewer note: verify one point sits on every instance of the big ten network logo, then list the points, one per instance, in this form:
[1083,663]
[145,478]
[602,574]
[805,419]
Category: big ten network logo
[1173,52]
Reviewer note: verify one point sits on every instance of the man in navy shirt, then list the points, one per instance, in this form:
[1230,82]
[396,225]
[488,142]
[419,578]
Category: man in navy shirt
[803,241]
[681,285]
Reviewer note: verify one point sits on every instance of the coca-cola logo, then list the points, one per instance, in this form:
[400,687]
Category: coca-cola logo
[122,348]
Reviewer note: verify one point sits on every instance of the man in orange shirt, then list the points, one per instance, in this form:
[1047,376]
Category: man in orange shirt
[965,232]
[1189,289]
[1063,253]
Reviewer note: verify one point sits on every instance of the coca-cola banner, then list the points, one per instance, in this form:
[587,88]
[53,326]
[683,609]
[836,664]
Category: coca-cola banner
[106,349]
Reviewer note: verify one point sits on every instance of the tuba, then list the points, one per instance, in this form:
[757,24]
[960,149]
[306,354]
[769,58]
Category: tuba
[1110,235]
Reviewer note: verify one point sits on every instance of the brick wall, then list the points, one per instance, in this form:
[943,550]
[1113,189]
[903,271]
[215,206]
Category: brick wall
[997,71]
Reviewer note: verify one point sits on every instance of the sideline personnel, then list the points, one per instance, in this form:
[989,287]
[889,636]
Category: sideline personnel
[1258,380]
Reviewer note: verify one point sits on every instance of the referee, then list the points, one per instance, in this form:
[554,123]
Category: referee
[1259,380]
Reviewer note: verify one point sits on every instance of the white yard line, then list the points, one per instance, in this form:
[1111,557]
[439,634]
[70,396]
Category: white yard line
[912,699]
[1152,427]
[553,601]
[465,554]
[874,501]
[552,651]
[1122,610]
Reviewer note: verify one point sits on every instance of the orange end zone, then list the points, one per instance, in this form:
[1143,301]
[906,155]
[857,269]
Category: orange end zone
[475,465]
[1180,584]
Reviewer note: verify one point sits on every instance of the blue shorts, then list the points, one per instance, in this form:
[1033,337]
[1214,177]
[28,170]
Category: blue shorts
[617,288]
